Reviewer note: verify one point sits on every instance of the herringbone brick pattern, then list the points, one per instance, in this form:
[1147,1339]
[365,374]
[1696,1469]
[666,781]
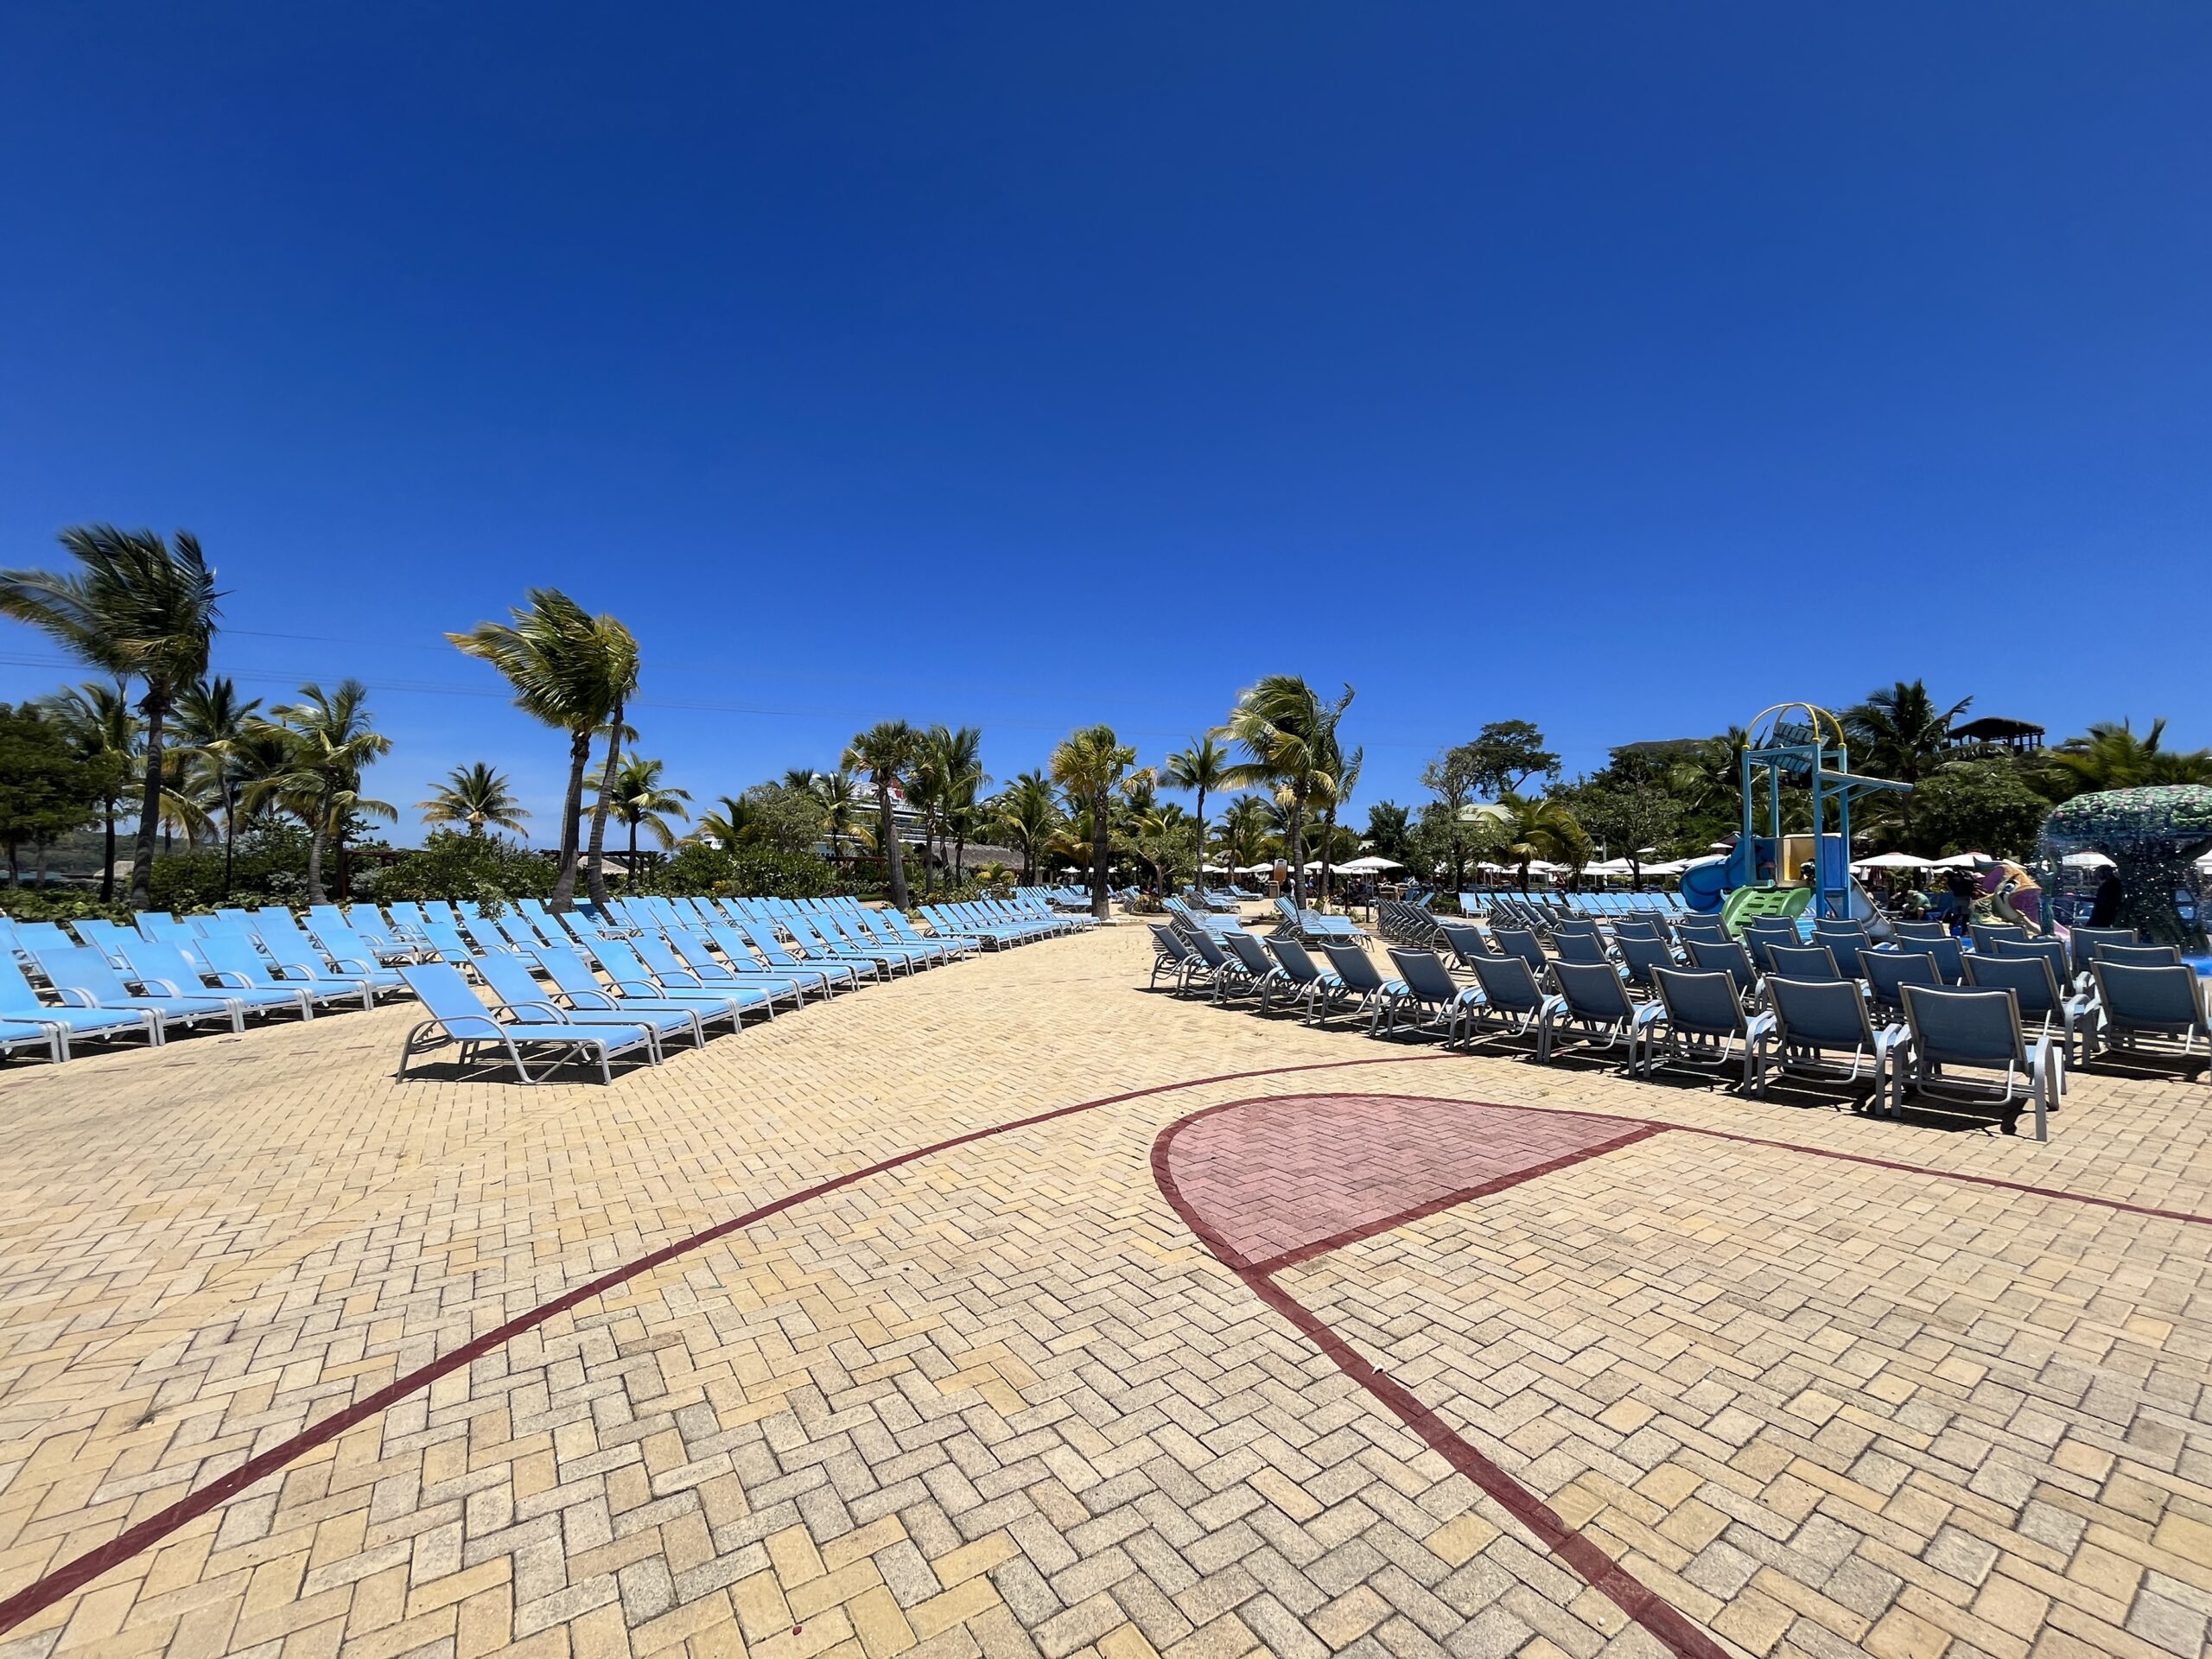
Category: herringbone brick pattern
[998,1400]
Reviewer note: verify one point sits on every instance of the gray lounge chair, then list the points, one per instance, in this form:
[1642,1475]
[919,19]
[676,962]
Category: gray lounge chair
[2133,1003]
[1512,1002]
[1702,1023]
[1594,1004]
[1954,1030]
[1815,1018]
[2044,1002]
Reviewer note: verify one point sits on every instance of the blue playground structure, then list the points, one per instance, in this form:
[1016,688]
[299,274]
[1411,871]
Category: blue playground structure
[1776,873]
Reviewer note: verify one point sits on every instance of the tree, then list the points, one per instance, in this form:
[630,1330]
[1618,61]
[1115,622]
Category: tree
[1525,829]
[948,772]
[331,741]
[1164,835]
[137,608]
[216,728]
[2111,756]
[1244,831]
[1028,817]
[1088,764]
[1632,819]
[1389,832]
[1451,777]
[837,793]
[1507,753]
[558,657]
[1898,732]
[883,754]
[1344,770]
[729,828]
[1982,806]
[97,718]
[1202,768]
[618,650]
[1287,734]
[48,787]
[642,802]
[476,795]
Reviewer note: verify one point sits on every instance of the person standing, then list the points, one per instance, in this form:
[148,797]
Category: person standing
[2104,909]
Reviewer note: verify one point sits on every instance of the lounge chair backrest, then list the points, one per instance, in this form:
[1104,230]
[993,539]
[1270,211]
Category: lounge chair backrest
[2085,941]
[446,995]
[1248,950]
[1923,930]
[1803,961]
[1700,1003]
[1208,947]
[1888,972]
[567,969]
[1170,944]
[1947,954]
[1353,965]
[83,968]
[1729,958]
[1585,948]
[1425,973]
[1509,984]
[1964,1027]
[621,961]
[154,959]
[2028,978]
[1593,991]
[509,981]
[2138,956]
[228,953]
[1643,957]
[1827,1013]
[1986,935]
[1297,961]
[2052,951]
[1520,942]
[2169,998]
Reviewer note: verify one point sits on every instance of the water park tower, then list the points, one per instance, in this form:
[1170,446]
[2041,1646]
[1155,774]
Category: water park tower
[1775,873]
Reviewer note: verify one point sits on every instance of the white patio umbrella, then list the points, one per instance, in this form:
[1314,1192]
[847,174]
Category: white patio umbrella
[1959,861]
[2097,862]
[1609,866]
[1371,864]
[1890,861]
[1666,867]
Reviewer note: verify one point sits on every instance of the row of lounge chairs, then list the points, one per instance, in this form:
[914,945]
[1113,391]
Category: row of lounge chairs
[105,981]
[2019,1009]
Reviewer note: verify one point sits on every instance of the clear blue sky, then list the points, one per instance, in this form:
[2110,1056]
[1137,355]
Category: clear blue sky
[1624,368]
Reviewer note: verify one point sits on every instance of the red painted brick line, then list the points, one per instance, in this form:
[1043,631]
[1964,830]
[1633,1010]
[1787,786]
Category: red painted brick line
[1587,1560]
[73,1575]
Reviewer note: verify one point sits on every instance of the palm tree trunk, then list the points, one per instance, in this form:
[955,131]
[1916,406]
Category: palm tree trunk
[633,852]
[150,805]
[894,862]
[230,831]
[316,844]
[564,888]
[1297,840]
[107,868]
[1102,844]
[1328,852]
[598,875]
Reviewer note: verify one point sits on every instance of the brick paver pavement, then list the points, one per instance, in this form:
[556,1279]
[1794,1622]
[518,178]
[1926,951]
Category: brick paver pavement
[999,1399]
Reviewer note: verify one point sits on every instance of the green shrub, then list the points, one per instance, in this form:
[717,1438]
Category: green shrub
[61,904]
[745,872]
[489,870]
[269,866]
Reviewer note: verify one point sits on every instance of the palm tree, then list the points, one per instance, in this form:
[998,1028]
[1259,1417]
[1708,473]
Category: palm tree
[217,727]
[1088,764]
[1244,831]
[2111,756]
[558,657]
[1028,817]
[1525,829]
[729,828]
[1288,737]
[619,651]
[137,608]
[1899,732]
[798,778]
[477,796]
[332,740]
[97,718]
[642,800]
[1347,769]
[1202,767]
[884,754]
[838,794]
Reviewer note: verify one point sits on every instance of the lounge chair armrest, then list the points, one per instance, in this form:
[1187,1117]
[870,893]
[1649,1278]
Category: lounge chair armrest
[475,1025]
[75,999]
[637,988]
[598,1000]
[232,977]
[163,987]
[1758,1025]
[284,969]
[553,1016]
[682,982]
[353,965]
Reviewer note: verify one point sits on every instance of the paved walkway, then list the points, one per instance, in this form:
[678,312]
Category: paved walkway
[1400,1355]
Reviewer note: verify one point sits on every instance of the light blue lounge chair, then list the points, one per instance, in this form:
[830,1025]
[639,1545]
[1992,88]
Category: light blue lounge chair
[1429,989]
[632,978]
[48,1036]
[511,983]
[236,961]
[158,966]
[1362,979]
[1316,987]
[20,1005]
[456,1017]
[85,972]
[835,976]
